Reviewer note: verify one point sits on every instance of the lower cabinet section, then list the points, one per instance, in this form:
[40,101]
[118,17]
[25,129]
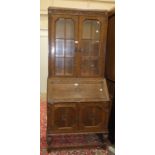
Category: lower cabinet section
[77,117]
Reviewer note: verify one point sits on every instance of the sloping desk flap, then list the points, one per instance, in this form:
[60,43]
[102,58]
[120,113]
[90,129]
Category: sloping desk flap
[77,90]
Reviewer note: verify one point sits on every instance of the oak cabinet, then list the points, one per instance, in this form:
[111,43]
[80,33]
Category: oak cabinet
[77,94]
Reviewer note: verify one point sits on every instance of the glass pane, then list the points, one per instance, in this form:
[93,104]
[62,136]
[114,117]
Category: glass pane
[90,48]
[85,68]
[69,29]
[86,29]
[95,29]
[70,48]
[59,47]
[91,29]
[68,66]
[60,27]
[89,67]
[59,66]
[94,68]
[86,47]
[95,48]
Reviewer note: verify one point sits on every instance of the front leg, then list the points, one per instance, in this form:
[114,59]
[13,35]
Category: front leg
[49,141]
[105,139]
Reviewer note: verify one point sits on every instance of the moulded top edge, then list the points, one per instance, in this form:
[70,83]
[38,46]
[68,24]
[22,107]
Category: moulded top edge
[77,11]
[75,79]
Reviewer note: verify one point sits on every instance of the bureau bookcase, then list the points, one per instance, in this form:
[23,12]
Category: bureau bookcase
[77,94]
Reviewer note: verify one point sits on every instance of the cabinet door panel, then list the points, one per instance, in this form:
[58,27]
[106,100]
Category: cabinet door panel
[64,117]
[64,35]
[93,117]
[91,37]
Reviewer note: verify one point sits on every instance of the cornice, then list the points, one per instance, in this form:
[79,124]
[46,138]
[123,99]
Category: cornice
[44,11]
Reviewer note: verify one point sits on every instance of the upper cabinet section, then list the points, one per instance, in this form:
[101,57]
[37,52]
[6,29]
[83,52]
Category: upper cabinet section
[77,43]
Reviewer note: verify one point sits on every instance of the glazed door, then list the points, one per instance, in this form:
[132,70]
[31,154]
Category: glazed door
[91,40]
[64,45]
[64,117]
[77,45]
[93,117]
